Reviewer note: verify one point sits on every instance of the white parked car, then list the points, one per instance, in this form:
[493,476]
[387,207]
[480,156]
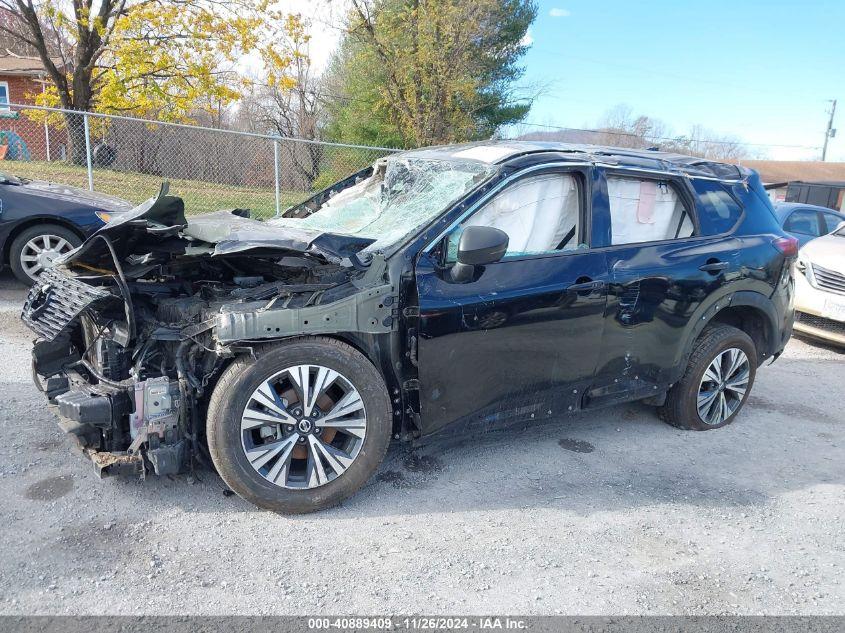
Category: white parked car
[820,288]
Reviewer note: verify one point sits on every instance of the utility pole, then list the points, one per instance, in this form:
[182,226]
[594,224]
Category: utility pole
[829,132]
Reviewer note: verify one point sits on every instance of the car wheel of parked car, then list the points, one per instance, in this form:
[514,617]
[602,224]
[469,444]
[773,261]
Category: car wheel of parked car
[35,248]
[717,381]
[301,426]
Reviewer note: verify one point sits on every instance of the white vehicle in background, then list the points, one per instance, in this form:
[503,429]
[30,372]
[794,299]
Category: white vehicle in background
[820,288]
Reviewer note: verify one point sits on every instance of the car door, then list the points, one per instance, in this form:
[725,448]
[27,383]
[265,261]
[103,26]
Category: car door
[661,268]
[521,340]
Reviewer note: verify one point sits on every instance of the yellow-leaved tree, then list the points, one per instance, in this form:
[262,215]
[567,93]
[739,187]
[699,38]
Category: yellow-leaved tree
[164,59]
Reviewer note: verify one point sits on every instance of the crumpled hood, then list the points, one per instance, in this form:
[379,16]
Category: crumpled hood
[228,232]
[74,194]
[827,251]
[231,233]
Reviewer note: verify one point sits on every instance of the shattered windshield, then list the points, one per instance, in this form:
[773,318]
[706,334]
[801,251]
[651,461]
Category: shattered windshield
[401,195]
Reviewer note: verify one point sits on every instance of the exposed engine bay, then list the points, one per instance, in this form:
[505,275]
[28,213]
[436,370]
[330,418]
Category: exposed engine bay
[134,325]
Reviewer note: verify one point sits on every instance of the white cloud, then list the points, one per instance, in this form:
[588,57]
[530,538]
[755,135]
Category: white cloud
[527,39]
[559,13]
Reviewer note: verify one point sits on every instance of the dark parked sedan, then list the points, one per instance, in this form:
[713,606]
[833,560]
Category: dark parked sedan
[806,221]
[41,220]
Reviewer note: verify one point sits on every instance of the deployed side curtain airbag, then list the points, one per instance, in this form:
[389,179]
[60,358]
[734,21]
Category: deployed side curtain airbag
[645,211]
[537,213]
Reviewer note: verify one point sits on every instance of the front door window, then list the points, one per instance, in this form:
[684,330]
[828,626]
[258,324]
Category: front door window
[540,214]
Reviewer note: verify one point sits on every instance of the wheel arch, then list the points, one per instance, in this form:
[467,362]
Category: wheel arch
[365,344]
[23,225]
[749,311]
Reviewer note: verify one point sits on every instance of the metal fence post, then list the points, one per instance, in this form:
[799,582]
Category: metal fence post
[276,177]
[47,139]
[88,152]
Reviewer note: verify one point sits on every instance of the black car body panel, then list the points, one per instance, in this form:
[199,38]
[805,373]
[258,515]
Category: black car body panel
[526,337]
[27,202]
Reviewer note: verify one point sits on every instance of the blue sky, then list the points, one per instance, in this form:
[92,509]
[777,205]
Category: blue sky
[762,71]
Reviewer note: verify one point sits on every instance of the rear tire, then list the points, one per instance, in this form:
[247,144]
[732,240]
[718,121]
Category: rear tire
[717,381]
[302,476]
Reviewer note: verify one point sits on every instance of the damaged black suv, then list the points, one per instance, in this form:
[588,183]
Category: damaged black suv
[480,283]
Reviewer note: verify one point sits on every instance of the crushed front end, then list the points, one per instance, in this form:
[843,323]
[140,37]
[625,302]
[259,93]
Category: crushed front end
[134,326]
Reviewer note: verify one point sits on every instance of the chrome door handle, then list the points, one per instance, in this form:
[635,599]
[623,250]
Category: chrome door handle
[714,267]
[587,285]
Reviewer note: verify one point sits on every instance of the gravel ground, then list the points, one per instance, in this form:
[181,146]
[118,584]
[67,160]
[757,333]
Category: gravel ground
[609,512]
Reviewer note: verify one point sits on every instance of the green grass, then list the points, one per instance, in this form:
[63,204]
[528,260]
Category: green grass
[199,196]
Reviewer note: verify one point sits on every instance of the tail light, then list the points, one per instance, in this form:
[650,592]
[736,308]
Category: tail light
[787,245]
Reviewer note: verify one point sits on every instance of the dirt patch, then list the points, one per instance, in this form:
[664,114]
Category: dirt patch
[394,477]
[422,463]
[791,409]
[49,489]
[576,446]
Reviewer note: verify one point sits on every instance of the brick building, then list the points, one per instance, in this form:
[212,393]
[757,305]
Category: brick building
[21,138]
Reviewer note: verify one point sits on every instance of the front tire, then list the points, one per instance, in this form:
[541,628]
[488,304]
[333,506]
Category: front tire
[717,381]
[35,248]
[300,427]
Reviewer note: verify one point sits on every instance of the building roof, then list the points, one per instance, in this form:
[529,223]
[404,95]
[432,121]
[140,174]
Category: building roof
[783,171]
[20,65]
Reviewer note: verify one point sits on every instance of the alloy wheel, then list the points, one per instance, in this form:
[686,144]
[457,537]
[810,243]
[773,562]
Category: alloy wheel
[39,253]
[723,386]
[303,427]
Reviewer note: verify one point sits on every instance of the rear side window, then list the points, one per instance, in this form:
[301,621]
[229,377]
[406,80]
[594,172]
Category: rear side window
[646,211]
[832,221]
[718,211]
[805,222]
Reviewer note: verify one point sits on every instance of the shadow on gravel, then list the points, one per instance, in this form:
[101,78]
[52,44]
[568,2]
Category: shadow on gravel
[818,343]
[611,460]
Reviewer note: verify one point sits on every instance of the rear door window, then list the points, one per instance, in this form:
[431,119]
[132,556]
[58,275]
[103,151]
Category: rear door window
[718,211]
[645,210]
[832,220]
[803,221]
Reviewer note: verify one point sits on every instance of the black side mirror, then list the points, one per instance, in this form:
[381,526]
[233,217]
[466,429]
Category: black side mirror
[479,245]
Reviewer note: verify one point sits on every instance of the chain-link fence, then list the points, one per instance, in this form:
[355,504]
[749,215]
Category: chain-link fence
[209,168]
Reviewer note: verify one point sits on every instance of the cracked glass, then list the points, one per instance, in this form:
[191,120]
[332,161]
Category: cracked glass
[402,195]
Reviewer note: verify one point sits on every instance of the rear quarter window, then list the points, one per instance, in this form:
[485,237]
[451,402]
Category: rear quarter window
[718,210]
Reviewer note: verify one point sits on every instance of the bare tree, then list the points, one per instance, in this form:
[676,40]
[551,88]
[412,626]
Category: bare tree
[294,109]
[621,127]
[708,144]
